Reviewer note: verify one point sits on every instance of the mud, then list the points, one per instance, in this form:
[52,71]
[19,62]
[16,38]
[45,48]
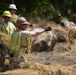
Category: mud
[60,55]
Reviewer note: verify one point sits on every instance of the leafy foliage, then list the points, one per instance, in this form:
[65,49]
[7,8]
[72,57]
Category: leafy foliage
[49,9]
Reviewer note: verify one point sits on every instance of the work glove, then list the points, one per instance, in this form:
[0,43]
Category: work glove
[48,28]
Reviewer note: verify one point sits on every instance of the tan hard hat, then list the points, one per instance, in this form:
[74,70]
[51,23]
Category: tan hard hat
[22,20]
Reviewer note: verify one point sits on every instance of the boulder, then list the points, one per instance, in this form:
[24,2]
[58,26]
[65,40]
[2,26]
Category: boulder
[61,35]
[67,24]
[43,42]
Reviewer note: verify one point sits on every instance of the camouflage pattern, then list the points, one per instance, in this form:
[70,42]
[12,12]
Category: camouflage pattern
[4,51]
[18,60]
[9,61]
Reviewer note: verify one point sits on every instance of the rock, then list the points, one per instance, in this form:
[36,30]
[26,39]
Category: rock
[67,24]
[61,35]
[43,42]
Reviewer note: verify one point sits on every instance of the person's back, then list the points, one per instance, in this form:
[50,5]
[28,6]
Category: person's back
[12,8]
[7,26]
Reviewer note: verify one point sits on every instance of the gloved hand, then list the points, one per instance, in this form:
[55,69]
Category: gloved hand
[48,28]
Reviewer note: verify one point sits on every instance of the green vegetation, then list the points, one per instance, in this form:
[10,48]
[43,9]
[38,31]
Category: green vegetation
[49,9]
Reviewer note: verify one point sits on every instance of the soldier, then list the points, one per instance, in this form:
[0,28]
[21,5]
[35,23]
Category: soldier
[7,26]
[13,9]
[19,40]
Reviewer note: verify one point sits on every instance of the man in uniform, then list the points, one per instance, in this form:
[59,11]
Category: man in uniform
[7,26]
[19,42]
[13,9]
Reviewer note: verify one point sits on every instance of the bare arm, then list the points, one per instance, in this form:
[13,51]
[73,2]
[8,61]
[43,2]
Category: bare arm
[38,33]
[48,28]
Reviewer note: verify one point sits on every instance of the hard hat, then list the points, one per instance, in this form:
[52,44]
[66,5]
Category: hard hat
[22,20]
[6,13]
[12,6]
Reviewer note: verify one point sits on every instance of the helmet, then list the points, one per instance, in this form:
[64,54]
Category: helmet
[22,20]
[6,13]
[12,6]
